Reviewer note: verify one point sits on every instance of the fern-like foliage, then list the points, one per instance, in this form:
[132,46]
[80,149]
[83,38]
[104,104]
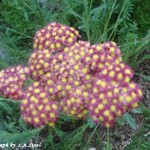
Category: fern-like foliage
[130,120]
[99,22]
[71,141]
[12,126]
[134,49]
[4,106]
[18,137]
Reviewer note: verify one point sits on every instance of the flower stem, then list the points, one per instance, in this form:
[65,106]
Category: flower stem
[91,136]
[108,140]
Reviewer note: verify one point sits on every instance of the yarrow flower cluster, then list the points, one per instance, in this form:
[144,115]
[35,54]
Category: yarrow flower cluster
[72,76]
[55,37]
[37,107]
[12,81]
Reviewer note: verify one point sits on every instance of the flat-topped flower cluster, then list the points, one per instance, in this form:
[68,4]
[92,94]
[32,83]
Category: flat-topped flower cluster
[71,76]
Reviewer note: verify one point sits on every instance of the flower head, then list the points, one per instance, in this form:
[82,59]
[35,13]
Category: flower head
[40,63]
[103,55]
[114,94]
[76,102]
[12,81]
[74,76]
[55,37]
[37,108]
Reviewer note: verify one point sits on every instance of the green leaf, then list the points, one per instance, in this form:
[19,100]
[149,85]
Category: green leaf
[137,111]
[6,137]
[22,124]
[130,120]
[90,122]
[146,57]
[70,141]
[66,117]
[10,127]
[2,126]
[146,112]
[120,121]
[145,77]
[4,106]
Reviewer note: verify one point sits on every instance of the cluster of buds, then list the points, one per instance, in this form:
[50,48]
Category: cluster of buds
[37,107]
[12,82]
[55,37]
[75,77]
[114,94]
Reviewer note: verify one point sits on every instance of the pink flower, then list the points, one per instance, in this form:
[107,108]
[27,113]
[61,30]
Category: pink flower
[74,76]
[55,37]
[12,81]
[37,108]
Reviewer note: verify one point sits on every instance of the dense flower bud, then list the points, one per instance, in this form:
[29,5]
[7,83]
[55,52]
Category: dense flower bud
[111,99]
[76,103]
[55,37]
[37,108]
[77,52]
[103,55]
[12,81]
[40,63]
[118,73]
